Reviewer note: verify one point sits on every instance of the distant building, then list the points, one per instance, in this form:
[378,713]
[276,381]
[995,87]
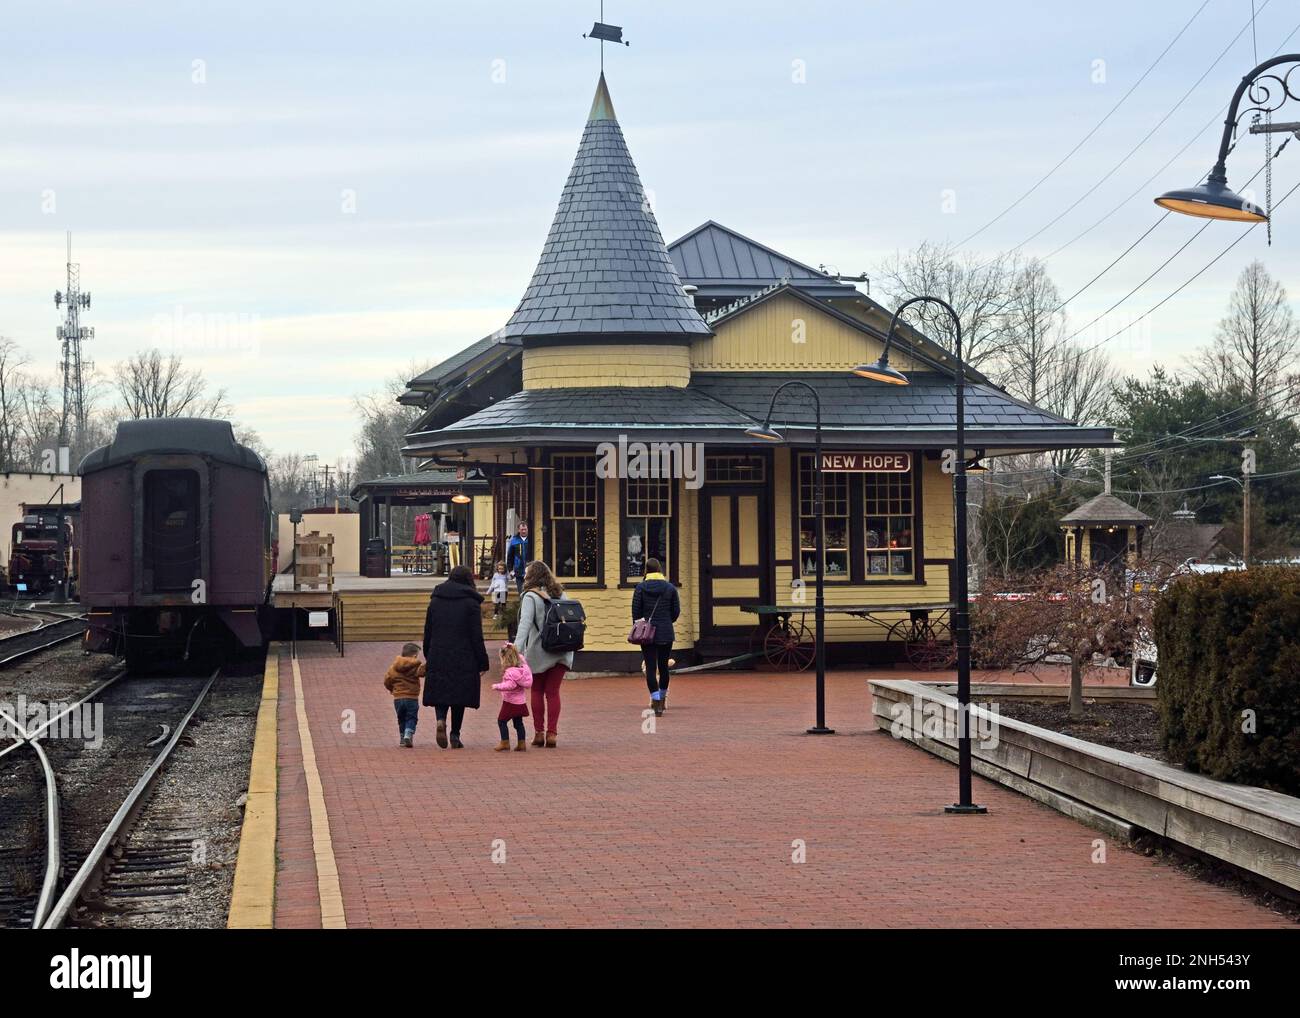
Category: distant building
[1104,530]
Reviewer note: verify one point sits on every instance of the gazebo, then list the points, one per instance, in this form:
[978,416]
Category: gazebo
[1104,529]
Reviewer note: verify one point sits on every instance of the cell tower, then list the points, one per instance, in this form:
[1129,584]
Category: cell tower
[70,334]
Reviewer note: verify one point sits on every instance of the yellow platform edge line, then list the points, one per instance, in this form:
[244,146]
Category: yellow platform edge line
[327,873]
[252,901]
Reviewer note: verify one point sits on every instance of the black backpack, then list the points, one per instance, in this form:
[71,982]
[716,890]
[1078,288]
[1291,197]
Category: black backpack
[563,626]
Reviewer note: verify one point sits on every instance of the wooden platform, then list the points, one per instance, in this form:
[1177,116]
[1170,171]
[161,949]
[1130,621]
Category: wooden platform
[376,608]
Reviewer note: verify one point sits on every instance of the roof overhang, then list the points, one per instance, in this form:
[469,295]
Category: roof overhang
[994,441]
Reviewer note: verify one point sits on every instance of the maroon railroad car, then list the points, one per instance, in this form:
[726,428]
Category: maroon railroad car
[175,542]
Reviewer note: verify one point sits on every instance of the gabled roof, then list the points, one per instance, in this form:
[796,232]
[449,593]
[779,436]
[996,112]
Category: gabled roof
[604,269]
[724,264]
[1105,509]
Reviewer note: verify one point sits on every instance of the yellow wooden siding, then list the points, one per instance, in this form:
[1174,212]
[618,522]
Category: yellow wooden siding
[688,544]
[603,364]
[720,529]
[785,334]
[938,510]
[609,609]
[784,523]
[735,586]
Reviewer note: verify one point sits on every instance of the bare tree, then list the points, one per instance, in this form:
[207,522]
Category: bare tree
[150,384]
[1034,324]
[1071,612]
[978,290]
[13,383]
[1257,343]
[384,424]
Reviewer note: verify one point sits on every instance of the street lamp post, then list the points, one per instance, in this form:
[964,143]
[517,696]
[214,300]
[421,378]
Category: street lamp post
[882,372]
[1266,92]
[769,434]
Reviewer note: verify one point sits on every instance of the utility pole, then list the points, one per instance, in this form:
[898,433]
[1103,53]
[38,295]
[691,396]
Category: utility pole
[1247,469]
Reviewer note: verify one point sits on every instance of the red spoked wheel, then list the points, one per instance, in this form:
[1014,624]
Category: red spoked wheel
[926,645]
[787,646]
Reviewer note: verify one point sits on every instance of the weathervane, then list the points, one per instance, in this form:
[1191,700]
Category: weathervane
[605,33]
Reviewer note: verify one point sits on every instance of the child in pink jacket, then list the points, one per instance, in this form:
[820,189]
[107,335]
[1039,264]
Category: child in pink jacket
[515,681]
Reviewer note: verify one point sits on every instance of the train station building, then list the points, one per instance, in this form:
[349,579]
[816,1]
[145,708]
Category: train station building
[611,411]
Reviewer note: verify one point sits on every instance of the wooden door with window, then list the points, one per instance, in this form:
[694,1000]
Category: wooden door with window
[735,561]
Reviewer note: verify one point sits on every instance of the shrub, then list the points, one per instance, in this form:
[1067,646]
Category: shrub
[1229,644]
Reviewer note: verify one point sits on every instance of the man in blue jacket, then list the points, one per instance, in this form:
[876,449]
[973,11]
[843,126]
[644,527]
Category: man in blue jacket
[519,552]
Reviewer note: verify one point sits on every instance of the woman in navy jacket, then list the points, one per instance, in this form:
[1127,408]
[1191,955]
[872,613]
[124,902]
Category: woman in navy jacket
[656,600]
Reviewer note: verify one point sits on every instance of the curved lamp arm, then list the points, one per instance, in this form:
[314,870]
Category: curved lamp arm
[893,325]
[1266,103]
[817,400]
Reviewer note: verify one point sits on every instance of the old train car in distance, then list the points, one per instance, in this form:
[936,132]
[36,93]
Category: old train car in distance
[176,542]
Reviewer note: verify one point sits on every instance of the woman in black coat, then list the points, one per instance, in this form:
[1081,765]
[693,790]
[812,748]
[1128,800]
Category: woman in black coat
[655,599]
[454,653]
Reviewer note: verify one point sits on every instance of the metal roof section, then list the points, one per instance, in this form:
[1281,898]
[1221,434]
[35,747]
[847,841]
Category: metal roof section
[604,270]
[723,263]
[1106,509]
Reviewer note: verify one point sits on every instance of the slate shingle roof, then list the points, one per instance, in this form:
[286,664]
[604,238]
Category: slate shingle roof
[852,402]
[604,268]
[629,408]
[718,407]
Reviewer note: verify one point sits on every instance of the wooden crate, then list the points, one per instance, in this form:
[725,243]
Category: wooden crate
[313,563]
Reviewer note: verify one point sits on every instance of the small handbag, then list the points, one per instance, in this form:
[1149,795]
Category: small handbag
[643,630]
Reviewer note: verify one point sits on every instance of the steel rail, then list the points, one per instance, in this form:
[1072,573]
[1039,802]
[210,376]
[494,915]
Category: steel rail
[95,858]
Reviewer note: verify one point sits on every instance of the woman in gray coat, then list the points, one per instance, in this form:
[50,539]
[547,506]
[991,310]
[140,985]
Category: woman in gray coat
[541,586]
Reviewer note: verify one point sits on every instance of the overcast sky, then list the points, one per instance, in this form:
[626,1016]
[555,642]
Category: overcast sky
[306,198]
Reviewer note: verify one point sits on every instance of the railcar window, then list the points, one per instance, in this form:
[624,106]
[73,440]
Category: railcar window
[172,558]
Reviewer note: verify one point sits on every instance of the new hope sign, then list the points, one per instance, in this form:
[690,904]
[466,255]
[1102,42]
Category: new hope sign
[867,462]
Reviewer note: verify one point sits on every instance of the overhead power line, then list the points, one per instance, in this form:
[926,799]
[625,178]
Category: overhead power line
[1084,140]
[1145,138]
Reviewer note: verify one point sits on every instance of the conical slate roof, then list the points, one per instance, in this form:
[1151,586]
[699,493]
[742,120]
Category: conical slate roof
[604,269]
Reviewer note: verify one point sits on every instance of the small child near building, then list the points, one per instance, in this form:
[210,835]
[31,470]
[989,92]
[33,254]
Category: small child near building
[516,678]
[498,588]
[403,681]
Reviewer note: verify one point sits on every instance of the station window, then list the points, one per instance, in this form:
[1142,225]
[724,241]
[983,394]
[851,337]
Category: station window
[889,523]
[647,523]
[836,488]
[734,469]
[575,525]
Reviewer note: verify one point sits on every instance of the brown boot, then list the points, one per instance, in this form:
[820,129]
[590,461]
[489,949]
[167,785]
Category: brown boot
[522,747]
[441,737]
[550,740]
[539,738]
[504,744]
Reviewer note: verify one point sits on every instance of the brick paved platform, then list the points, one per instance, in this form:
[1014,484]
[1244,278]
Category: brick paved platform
[691,825]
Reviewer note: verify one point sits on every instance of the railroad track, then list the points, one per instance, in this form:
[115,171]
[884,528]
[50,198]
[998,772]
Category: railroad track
[92,795]
[53,629]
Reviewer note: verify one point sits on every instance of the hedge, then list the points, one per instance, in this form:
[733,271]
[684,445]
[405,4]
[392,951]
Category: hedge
[1230,643]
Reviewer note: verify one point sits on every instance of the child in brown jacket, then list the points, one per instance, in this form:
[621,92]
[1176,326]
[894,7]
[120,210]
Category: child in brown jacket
[403,681]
